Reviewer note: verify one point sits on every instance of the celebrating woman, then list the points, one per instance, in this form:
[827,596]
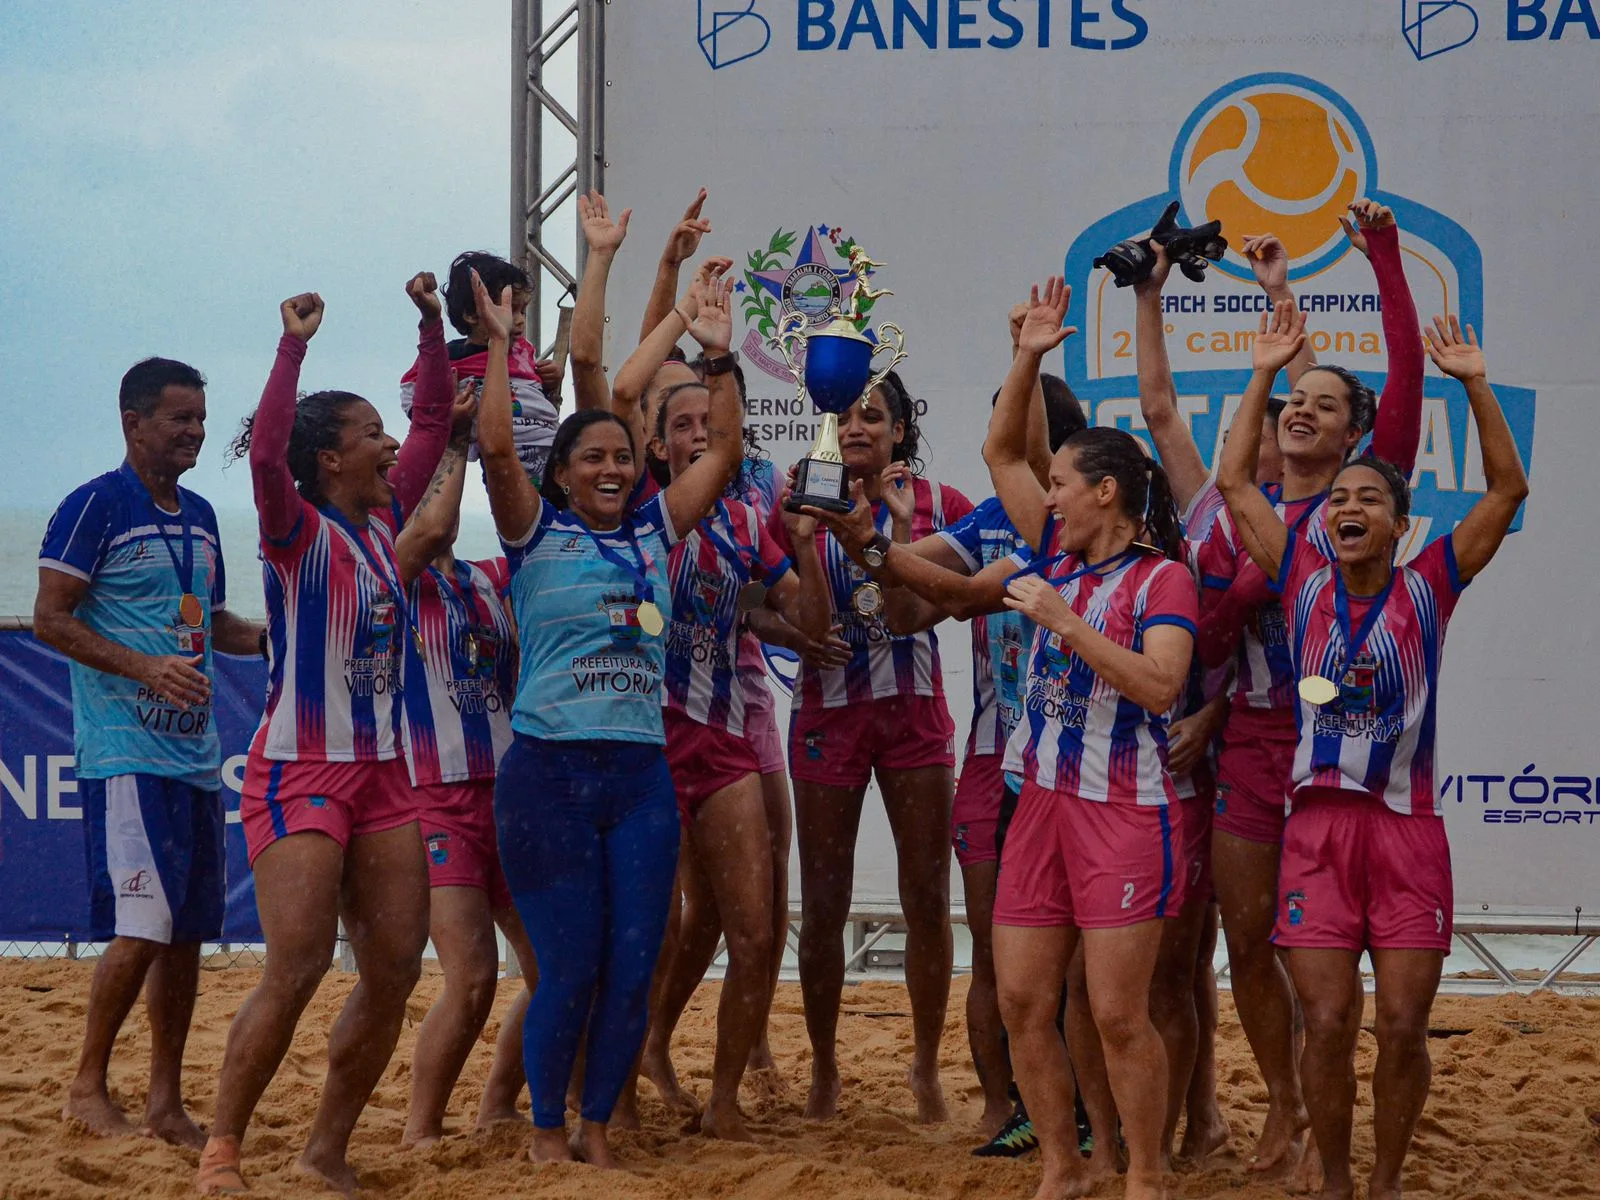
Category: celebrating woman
[584,805]
[1366,866]
[1090,855]
[328,813]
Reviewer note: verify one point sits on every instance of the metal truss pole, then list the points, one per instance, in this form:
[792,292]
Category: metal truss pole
[538,115]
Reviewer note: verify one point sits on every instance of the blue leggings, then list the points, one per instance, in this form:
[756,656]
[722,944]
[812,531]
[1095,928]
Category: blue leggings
[589,840]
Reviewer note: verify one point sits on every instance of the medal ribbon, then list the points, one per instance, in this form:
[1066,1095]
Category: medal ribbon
[742,557]
[184,568]
[390,581]
[1341,607]
[1040,564]
[642,591]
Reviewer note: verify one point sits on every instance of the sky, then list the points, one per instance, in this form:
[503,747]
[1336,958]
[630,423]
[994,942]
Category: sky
[170,171]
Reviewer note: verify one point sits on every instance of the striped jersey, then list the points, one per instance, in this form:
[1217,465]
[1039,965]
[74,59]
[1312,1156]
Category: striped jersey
[1265,677]
[881,665]
[1078,734]
[458,713]
[703,641]
[336,634]
[999,640]
[1377,736]
[109,534]
[589,671]
[533,415]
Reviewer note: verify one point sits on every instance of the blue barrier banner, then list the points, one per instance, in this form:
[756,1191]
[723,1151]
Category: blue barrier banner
[44,891]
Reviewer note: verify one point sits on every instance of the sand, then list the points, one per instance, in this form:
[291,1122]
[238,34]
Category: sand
[1514,1078]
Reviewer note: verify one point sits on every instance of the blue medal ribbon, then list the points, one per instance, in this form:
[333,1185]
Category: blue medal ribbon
[390,581]
[184,567]
[642,591]
[742,557]
[1041,563]
[1353,643]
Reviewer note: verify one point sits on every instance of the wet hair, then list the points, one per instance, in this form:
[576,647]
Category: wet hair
[496,273]
[904,409]
[1062,412]
[319,420]
[739,486]
[144,382]
[567,435]
[1398,487]
[676,354]
[1146,496]
[1362,399]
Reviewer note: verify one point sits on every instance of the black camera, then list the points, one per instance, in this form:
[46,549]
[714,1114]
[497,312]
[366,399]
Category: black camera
[1190,250]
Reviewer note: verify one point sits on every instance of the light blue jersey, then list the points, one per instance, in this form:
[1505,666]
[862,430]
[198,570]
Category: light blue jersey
[110,534]
[589,671]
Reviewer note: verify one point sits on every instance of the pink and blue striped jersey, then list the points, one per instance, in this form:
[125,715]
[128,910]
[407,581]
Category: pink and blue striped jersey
[1377,737]
[704,640]
[1205,509]
[1079,734]
[335,637]
[881,665]
[1264,679]
[458,714]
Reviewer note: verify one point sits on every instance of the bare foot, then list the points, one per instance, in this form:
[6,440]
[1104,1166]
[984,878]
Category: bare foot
[175,1127]
[488,1118]
[929,1093]
[822,1103]
[656,1066]
[426,1141]
[1144,1187]
[1307,1177]
[724,1121]
[1203,1137]
[589,1145]
[95,1110]
[1278,1147]
[995,1114]
[626,1114]
[219,1173]
[1066,1181]
[550,1145]
[336,1174]
[1104,1163]
[760,1056]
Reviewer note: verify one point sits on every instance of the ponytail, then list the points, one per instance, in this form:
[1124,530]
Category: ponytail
[1143,489]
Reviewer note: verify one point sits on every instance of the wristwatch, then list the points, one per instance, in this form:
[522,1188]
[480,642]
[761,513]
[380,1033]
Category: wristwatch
[721,364]
[876,552]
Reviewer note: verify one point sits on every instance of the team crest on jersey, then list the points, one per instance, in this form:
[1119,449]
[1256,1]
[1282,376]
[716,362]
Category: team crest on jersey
[1295,905]
[705,591]
[1010,658]
[382,628]
[622,611]
[1270,625]
[1356,695]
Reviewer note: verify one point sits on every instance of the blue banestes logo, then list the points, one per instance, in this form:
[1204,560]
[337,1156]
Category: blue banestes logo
[731,31]
[1435,26]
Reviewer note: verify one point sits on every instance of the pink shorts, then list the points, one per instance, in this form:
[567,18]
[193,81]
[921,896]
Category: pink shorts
[704,760]
[1094,865]
[458,832]
[1253,774]
[761,722]
[976,811]
[1357,875]
[841,747]
[1198,813]
[340,799]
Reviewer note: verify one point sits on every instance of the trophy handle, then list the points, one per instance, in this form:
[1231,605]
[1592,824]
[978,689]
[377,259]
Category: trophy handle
[897,344]
[787,341]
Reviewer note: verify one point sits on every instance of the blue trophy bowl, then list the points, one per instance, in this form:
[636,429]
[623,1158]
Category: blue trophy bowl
[838,365]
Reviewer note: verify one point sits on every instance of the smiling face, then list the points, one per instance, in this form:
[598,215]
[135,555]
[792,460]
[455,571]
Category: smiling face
[687,430]
[1361,517]
[170,436]
[1316,426]
[868,434]
[598,474]
[1082,509]
[669,376]
[359,467]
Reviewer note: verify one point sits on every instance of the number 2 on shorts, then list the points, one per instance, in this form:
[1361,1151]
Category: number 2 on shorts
[1127,895]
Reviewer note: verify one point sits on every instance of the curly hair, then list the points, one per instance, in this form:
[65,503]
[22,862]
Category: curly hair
[318,425]
[903,408]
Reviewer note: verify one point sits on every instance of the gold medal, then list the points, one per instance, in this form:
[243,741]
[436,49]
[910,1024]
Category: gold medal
[1314,689]
[190,611]
[868,600]
[752,596]
[650,619]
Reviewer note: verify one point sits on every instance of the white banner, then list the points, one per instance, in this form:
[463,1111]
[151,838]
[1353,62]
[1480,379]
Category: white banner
[976,146]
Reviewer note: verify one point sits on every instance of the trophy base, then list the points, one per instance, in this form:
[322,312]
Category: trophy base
[822,484]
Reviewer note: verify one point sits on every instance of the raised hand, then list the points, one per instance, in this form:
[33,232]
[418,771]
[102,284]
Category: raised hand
[494,316]
[1157,278]
[1042,328]
[302,315]
[685,237]
[1458,357]
[1368,214]
[1282,334]
[423,289]
[464,411]
[603,235]
[899,494]
[1268,260]
[712,326]
[1018,314]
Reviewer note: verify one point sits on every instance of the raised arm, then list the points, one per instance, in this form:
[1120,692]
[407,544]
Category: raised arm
[431,400]
[1397,432]
[801,596]
[1269,263]
[682,242]
[1261,530]
[432,526]
[277,501]
[513,499]
[604,237]
[1158,397]
[691,495]
[1039,453]
[1006,450]
[1485,526]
